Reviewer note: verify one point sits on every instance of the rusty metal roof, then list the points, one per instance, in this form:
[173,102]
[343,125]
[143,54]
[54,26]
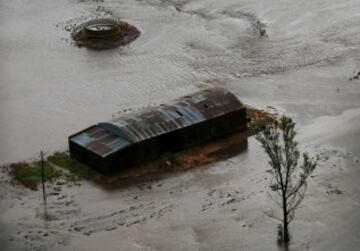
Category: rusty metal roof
[106,138]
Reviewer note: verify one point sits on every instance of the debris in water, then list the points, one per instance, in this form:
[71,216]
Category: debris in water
[355,77]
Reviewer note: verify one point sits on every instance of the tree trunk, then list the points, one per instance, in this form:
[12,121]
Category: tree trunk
[285,221]
[286,232]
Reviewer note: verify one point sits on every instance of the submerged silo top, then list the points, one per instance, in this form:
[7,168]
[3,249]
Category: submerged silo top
[101,27]
[109,137]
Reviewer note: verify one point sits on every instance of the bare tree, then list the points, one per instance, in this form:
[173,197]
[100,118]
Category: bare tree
[290,178]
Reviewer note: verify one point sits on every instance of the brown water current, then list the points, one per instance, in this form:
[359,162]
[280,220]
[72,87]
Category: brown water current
[301,66]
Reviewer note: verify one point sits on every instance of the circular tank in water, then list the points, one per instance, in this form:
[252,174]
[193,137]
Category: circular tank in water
[101,27]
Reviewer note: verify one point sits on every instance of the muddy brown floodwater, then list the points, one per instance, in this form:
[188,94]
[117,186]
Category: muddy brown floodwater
[50,89]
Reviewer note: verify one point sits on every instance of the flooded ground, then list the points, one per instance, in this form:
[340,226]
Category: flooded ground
[50,89]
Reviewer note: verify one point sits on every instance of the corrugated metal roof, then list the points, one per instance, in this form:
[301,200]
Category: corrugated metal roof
[106,138]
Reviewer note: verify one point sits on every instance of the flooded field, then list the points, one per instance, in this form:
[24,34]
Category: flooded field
[295,56]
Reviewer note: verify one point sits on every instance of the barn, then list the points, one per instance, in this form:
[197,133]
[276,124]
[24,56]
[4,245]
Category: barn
[140,137]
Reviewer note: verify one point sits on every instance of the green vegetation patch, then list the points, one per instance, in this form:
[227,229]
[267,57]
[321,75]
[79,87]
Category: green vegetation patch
[29,174]
[76,169]
[57,165]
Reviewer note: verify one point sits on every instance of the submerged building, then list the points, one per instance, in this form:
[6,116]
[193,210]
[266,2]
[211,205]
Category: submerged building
[140,137]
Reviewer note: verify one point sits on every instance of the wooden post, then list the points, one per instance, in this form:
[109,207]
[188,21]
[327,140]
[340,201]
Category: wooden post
[43,183]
